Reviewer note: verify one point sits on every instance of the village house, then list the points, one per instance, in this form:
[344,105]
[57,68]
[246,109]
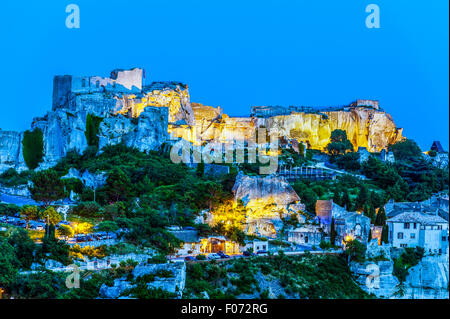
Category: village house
[192,244]
[348,225]
[255,246]
[415,229]
[310,235]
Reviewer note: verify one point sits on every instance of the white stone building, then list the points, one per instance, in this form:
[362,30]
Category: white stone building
[414,229]
[305,235]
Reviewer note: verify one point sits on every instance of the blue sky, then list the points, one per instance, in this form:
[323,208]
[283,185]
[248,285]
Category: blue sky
[235,54]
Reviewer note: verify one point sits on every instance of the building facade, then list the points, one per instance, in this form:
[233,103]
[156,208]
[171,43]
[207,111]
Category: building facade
[415,229]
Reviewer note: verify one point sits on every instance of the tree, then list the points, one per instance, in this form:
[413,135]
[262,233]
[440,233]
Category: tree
[339,144]
[337,197]
[333,233]
[29,213]
[405,149]
[23,245]
[385,234]
[381,217]
[118,185]
[51,216]
[47,187]
[372,214]
[83,228]
[92,127]
[348,161]
[8,264]
[355,250]
[362,198]
[347,202]
[33,147]
[108,227]
[66,231]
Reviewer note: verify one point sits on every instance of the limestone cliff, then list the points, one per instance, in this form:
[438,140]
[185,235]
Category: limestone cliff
[63,131]
[267,199]
[11,151]
[427,280]
[146,133]
[173,95]
[365,126]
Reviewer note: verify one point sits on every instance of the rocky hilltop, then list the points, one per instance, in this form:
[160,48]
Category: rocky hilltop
[145,116]
[365,126]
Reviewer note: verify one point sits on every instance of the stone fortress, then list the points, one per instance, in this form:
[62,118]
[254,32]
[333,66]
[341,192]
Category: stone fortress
[146,116]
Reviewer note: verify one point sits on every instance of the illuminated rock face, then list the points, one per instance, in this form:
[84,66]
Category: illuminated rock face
[365,127]
[173,95]
[267,200]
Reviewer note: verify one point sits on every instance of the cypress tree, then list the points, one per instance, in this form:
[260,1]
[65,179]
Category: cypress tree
[337,197]
[333,233]
[381,217]
[385,234]
[362,198]
[346,201]
[33,147]
[372,214]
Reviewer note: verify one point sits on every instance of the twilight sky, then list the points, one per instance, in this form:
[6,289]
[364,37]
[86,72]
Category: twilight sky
[235,54]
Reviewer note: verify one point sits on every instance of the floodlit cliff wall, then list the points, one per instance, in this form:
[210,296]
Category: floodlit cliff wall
[365,127]
[267,200]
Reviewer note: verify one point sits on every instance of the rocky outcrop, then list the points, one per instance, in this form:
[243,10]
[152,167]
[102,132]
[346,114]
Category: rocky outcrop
[62,131]
[21,190]
[365,126]
[143,124]
[428,279]
[89,180]
[267,199]
[376,277]
[11,151]
[174,283]
[145,133]
[114,292]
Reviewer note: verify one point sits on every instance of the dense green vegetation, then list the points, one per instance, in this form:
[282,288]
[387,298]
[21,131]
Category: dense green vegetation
[33,147]
[11,178]
[145,192]
[92,129]
[410,257]
[308,276]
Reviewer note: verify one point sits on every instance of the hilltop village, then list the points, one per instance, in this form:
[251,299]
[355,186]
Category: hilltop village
[352,209]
